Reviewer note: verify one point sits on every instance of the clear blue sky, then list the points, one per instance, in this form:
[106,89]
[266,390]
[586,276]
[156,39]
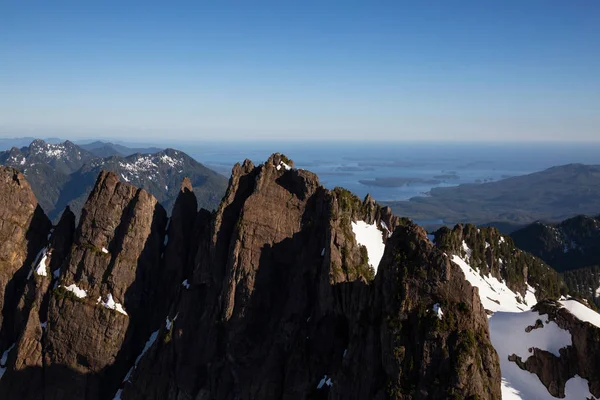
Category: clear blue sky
[418,70]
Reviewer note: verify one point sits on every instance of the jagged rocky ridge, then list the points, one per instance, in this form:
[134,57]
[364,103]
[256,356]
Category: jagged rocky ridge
[570,244]
[571,247]
[271,296]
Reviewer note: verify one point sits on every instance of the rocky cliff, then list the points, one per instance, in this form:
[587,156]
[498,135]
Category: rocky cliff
[288,290]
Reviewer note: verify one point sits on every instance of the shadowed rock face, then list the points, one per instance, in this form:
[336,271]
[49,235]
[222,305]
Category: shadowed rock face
[23,231]
[25,380]
[269,297]
[269,314]
[116,255]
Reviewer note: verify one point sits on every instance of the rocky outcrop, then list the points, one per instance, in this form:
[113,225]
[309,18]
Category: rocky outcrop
[23,233]
[580,358]
[278,306]
[101,311]
[26,377]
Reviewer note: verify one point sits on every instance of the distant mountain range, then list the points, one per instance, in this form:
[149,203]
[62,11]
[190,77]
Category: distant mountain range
[551,195]
[107,149]
[99,148]
[63,174]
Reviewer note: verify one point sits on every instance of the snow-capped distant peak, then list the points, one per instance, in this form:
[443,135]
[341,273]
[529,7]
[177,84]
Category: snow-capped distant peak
[48,150]
[148,165]
[170,161]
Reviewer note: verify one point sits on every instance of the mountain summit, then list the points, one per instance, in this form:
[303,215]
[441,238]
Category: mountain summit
[288,290]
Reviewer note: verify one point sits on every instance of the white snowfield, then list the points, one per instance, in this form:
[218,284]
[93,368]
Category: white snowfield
[495,295]
[511,316]
[508,335]
[370,237]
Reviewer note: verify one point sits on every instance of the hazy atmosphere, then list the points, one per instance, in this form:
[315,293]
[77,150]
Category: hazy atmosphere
[509,70]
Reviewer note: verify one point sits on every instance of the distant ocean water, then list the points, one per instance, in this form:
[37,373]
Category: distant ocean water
[412,169]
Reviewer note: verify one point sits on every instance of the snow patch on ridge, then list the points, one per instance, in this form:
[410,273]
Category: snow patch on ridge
[76,290]
[169,322]
[467,250]
[581,312]
[147,346]
[324,381]
[41,268]
[284,165]
[384,226]
[111,304]
[370,237]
